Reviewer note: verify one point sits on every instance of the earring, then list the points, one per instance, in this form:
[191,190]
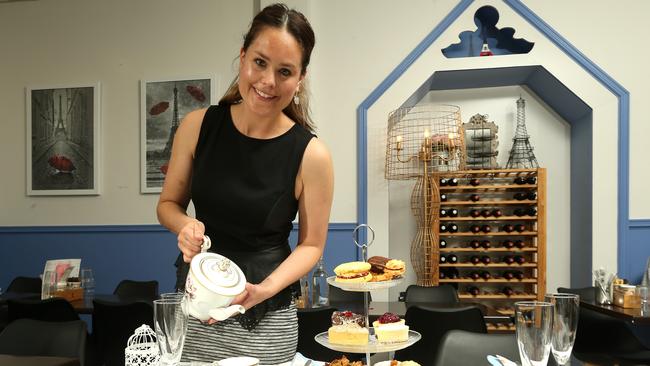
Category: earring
[296,100]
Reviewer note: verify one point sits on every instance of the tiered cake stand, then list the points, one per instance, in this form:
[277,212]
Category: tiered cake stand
[373,345]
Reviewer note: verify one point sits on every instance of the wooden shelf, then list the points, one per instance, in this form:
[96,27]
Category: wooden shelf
[487,203]
[500,327]
[487,187]
[491,265]
[486,172]
[502,218]
[501,250]
[497,296]
[497,233]
[491,280]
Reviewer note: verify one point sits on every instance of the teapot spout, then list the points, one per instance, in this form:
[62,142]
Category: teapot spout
[221,314]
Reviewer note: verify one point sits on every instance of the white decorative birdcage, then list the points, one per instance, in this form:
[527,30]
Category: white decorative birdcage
[142,348]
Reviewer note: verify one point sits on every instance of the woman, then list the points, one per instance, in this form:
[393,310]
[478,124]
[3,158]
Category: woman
[249,164]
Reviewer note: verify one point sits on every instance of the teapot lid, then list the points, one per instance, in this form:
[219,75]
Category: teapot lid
[218,274]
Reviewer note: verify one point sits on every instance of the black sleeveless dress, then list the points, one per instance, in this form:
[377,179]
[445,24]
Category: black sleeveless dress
[243,191]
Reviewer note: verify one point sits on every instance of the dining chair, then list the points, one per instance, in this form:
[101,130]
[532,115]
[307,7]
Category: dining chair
[603,339]
[432,324]
[137,290]
[585,293]
[113,324]
[443,294]
[22,284]
[462,348]
[337,295]
[30,337]
[54,309]
[310,323]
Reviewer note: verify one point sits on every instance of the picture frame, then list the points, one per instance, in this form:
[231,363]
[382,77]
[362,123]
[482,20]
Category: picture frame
[161,111]
[63,140]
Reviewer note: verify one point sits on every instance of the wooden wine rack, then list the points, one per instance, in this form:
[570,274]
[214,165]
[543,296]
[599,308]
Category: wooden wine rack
[496,190]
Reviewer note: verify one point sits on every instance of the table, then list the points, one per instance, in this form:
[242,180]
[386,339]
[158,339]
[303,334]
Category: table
[83,306]
[11,360]
[634,316]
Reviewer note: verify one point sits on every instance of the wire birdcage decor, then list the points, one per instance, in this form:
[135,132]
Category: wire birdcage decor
[142,348]
[422,140]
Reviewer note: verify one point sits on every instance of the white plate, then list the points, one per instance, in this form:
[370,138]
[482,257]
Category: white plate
[373,345]
[363,286]
[239,361]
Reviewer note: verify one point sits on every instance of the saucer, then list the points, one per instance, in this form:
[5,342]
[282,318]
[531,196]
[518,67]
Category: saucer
[239,361]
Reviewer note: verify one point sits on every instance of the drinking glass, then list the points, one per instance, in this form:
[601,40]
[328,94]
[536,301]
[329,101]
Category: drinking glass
[534,320]
[87,282]
[565,324]
[170,321]
[48,284]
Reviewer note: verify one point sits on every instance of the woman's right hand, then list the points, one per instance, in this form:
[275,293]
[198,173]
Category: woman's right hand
[190,239]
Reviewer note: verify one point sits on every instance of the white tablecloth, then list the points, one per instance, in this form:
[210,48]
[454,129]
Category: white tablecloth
[299,360]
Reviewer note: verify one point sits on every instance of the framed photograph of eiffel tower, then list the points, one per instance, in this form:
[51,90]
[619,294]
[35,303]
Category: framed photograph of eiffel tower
[164,104]
[63,140]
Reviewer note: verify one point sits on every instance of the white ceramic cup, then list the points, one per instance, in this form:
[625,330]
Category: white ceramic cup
[212,284]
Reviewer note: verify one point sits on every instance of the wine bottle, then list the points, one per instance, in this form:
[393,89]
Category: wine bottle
[486,275]
[485,259]
[475,259]
[443,259]
[453,212]
[474,291]
[508,275]
[532,211]
[475,213]
[443,212]
[474,182]
[520,259]
[531,179]
[508,228]
[453,182]
[520,244]
[519,212]
[452,273]
[443,243]
[520,180]
[508,291]
[508,259]
[519,196]
[444,182]
[442,275]
[474,275]
[444,228]
[486,228]
[486,213]
[475,244]
[453,228]
[474,197]
[508,244]
[452,258]
[497,213]
[485,244]
[443,197]
[532,195]
[520,228]
[475,229]
[519,275]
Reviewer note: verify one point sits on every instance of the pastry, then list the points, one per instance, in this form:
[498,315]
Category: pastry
[391,267]
[390,328]
[378,277]
[347,317]
[343,361]
[348,334]
[353,272]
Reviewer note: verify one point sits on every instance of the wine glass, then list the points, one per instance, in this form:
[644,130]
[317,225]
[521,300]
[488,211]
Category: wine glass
[170,321]
[534,321]
[565,324]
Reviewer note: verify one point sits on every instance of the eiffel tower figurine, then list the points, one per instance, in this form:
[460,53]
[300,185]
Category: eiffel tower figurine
[170,141]
[485,49]
[521,154]
[60,127]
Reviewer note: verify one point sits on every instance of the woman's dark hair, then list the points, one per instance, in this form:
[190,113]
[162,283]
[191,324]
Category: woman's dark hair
[281,17]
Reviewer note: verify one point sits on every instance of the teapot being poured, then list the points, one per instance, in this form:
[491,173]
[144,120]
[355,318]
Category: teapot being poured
[212,284]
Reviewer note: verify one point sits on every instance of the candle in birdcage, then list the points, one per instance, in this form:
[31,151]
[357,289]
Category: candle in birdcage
[427,139]
[398,143]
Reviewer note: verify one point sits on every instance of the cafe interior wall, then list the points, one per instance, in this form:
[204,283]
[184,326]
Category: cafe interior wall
[118,43]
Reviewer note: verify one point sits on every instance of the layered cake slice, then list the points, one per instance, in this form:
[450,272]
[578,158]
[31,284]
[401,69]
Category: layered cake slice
[348,328]
[390,328]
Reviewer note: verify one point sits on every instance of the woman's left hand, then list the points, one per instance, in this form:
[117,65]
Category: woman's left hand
[252,295]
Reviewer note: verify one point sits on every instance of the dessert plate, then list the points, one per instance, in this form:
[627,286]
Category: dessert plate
[363,286]
[372,347]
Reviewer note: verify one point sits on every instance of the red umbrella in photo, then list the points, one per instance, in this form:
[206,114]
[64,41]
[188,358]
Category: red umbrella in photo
[164,167]
[196,92]
[158,108]
[61,163]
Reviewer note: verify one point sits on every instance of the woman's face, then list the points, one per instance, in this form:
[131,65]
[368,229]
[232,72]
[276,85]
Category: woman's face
[270,72]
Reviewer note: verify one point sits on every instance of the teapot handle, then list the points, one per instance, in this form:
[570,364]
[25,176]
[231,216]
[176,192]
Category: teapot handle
[206,244]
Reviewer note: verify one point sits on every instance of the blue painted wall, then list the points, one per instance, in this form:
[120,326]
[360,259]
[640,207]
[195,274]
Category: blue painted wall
[139,252]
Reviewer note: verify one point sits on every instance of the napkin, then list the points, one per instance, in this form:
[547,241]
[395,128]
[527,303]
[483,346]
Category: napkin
[221,314]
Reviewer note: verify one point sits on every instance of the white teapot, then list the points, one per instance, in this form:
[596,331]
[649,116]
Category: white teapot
[212,284]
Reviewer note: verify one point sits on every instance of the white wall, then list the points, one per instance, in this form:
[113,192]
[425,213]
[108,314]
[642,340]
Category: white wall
[119,42]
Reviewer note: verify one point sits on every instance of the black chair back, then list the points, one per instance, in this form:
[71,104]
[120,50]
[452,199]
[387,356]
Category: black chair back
[137,290]
[585,293]
[29,337]
[25,285]
[432,324]
[336,295]
[462,348]
[443,294]
[113,324]
[53,310]
[310,323]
